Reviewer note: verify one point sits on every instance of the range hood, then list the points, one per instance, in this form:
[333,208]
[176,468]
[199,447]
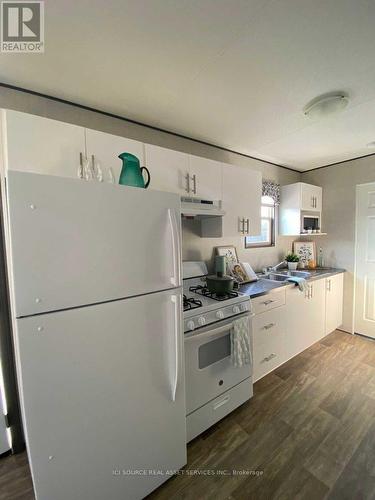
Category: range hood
[197,207]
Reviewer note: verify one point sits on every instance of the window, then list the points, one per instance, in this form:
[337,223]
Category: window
[267,236]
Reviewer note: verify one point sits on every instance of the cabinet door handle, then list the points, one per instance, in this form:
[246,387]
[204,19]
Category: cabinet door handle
[80,171]
[268,358]
[328,285]
[247,226]
[187,177]
[221,403]
[270,325]
[194,179]
[241,224]
[267,302]
[311,291]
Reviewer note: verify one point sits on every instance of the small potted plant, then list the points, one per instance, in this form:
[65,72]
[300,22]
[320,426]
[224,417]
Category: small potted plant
[292,260]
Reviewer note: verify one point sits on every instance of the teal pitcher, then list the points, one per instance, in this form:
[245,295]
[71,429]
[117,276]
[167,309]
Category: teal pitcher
[131,173]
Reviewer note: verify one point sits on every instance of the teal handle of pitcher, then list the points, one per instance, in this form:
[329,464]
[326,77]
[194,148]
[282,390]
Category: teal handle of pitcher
[148,176]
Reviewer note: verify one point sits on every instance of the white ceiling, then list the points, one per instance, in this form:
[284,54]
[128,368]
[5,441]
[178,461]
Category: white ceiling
[235,73]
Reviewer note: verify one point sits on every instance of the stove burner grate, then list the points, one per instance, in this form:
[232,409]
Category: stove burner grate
[203,290]
[191,303]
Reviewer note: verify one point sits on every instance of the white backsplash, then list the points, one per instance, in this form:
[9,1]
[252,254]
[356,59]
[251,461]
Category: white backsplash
[196,248]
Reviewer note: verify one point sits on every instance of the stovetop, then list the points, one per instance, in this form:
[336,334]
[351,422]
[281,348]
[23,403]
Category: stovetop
[203,290]
[211,308]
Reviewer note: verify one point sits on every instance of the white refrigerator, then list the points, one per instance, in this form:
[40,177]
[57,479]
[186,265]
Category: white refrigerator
[95,273]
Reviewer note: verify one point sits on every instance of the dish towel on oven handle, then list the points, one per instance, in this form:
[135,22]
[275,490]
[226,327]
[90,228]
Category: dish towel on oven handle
[241,342]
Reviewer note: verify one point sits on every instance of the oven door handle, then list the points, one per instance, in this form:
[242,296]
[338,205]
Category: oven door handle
[216,332]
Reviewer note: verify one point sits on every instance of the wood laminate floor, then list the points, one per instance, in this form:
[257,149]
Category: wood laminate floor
[308,433]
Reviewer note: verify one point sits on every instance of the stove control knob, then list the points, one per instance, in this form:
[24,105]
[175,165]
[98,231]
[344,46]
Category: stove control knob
[201,321]
[190,325]
[220,314]
[236,309]
[243,307]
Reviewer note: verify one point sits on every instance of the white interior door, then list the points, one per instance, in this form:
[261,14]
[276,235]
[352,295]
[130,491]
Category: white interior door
[365,261]
[103,397]
[75,242]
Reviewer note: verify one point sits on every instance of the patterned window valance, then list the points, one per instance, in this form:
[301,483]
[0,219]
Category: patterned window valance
[271,189]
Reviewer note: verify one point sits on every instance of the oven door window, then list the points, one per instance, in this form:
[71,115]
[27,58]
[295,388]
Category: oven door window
[214,351]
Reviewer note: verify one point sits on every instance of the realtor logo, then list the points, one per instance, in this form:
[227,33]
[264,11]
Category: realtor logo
[22,27]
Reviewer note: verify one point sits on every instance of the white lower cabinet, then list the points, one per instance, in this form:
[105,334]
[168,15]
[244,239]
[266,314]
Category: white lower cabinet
[269,336]
[305,316]
[334,302]
[289,322]
[269,332]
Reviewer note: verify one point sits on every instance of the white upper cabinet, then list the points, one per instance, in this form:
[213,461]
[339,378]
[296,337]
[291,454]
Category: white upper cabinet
[311,197]
[169,169]
[107,147]
[242,194]
[295,199]
[40,145]
[205,178]
[301,196]
[184,174]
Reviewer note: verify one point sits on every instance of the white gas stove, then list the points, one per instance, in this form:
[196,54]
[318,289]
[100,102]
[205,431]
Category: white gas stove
[201,307]
[214,385]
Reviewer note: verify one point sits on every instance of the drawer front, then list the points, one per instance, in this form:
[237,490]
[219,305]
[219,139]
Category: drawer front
[268,302]
[269,327]
[268,343]
[201,419]
[266,358]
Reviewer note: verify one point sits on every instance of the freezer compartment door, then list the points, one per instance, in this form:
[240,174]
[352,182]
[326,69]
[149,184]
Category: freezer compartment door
[75,242]
[103,398]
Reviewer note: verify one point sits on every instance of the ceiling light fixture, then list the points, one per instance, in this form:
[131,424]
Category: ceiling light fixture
[326,104]
[371,145]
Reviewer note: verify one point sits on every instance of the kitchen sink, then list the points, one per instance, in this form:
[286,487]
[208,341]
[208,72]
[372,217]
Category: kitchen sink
[284,275]
[275,277]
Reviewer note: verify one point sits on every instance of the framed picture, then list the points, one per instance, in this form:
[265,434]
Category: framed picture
[229,252]
[306,251]
[242,272]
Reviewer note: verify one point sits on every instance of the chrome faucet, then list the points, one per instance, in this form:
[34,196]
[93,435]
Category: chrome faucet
[275,268]
[271,269]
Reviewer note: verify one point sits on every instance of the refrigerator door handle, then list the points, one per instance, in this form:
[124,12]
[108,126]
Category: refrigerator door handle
[177,307]
[176,248]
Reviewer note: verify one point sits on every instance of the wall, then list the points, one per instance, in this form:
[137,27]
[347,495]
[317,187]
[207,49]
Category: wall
[339,206]
[194,247]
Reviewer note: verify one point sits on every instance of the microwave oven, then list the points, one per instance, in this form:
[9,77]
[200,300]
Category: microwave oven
[310,221]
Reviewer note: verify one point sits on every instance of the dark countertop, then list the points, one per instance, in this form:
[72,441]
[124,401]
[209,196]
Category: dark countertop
[264,286]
